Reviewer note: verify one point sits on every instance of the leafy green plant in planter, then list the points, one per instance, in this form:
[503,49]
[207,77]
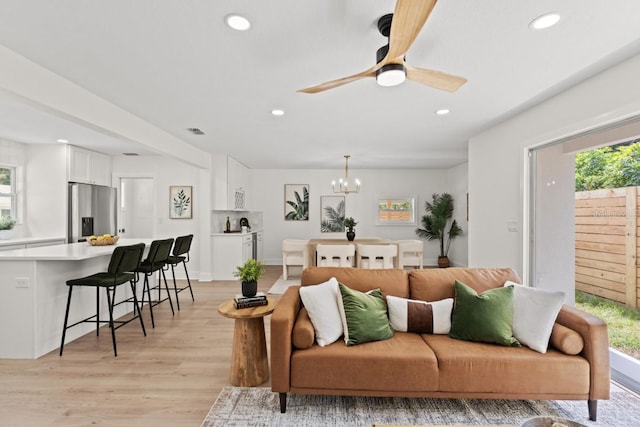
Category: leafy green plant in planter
[349,223]
[250,272]
[6,225]
[438,225]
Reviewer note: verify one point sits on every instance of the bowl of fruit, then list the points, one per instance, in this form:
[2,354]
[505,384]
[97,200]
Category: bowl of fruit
[104,240]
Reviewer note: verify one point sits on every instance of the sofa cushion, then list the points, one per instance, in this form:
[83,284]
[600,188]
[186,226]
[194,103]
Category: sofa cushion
[390,281]
[534,313]
[321,302]
[486,317]
[479,367]
[364,316]
[402,363]
[435,284]
[421,317]
[566,340]
[303,334]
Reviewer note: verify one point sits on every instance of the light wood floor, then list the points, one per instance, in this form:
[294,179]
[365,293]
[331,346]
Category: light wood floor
[170,378]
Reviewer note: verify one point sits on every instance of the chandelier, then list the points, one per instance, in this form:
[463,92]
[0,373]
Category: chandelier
[342,186]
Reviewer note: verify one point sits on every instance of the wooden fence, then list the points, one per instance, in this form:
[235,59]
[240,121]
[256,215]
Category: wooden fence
[607,244]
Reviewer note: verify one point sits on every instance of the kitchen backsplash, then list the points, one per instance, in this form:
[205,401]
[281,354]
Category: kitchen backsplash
[219,220]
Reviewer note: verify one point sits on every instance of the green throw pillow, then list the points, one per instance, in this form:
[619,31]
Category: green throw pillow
[364,316]
[486,317]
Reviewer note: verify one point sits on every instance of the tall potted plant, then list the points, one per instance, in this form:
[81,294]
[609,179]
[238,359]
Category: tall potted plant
[438,225]
[6,227]
[250,272]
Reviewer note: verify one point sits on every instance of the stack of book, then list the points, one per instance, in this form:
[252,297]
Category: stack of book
[245,302]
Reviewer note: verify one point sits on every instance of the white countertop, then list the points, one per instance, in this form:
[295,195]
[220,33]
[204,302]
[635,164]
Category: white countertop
[236,233]
[23,240]
[66,252]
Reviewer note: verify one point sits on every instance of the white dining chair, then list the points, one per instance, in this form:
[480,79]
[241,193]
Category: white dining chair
[410,253]
[376,256]
[294,253]
[335,255]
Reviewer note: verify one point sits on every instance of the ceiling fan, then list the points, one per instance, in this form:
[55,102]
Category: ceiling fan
[402,27]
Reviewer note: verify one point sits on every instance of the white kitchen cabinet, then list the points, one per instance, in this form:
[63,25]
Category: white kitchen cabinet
[89,167]
[230,184]
[229,251]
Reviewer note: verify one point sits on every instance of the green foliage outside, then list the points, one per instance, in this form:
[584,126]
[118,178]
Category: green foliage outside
[7,223]
[608,167]
[623,323]
[5,176]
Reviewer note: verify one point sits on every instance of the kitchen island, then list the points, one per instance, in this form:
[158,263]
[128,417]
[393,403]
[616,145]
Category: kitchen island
[34,295]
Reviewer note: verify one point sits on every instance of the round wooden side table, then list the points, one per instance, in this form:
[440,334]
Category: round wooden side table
[249,360]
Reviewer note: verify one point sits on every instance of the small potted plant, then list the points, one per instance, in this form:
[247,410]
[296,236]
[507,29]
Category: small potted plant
[6,227]
[250,273]
[350,223]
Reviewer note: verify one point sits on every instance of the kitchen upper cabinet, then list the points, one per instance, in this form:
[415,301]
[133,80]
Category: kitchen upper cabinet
[89,167]
[230,184]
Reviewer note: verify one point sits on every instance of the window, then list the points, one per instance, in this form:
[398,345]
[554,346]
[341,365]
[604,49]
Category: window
[7,191]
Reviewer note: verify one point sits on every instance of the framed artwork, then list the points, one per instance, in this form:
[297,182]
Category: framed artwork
[296,202]
[396,211]
[332,214]
[180,202]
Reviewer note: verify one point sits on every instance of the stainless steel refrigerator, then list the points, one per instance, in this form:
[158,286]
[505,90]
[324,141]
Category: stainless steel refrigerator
[92,211]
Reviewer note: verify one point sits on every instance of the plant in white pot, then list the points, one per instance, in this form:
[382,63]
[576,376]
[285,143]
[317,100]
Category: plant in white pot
[250,272]
[6,227]
[439,225]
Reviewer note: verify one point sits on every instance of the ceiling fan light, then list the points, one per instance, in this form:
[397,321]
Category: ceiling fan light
[391,75]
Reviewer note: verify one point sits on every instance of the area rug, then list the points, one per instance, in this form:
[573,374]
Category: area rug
[281,285]
[259,406]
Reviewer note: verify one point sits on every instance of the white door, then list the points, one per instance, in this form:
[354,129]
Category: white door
[136,208]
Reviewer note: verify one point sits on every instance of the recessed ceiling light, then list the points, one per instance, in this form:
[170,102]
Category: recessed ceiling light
[237,22]
[277,112]
[63,141]
[442,112]
[545,21]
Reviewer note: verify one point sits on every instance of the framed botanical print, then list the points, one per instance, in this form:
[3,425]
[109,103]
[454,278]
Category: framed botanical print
[332,214]
[180,202]
[296,202]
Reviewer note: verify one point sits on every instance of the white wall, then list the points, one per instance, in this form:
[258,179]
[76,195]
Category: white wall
[497,157]
[458,187]
[166,172]
[268,196]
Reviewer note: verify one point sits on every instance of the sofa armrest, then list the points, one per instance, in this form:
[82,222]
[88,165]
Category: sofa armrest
[282,320]
[596,347]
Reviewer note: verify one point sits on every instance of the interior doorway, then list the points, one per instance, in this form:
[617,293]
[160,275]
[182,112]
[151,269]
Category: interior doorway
[136,207]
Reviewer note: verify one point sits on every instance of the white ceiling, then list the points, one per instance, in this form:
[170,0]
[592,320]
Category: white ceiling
[177,65]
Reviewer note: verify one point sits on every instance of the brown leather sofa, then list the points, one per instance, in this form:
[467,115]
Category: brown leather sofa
[437,366]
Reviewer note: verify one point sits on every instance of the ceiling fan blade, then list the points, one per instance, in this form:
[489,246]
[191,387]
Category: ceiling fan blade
[409,17]
[435,79]
[339,82]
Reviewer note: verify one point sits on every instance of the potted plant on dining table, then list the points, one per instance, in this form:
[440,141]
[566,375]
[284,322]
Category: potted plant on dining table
[350,224]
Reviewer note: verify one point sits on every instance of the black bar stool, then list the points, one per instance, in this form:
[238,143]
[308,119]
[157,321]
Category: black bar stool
[124,261]
[155,262]
[181,255]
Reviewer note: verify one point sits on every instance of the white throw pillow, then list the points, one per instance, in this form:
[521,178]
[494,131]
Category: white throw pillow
[321,302]
[420,316]
[534,313]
